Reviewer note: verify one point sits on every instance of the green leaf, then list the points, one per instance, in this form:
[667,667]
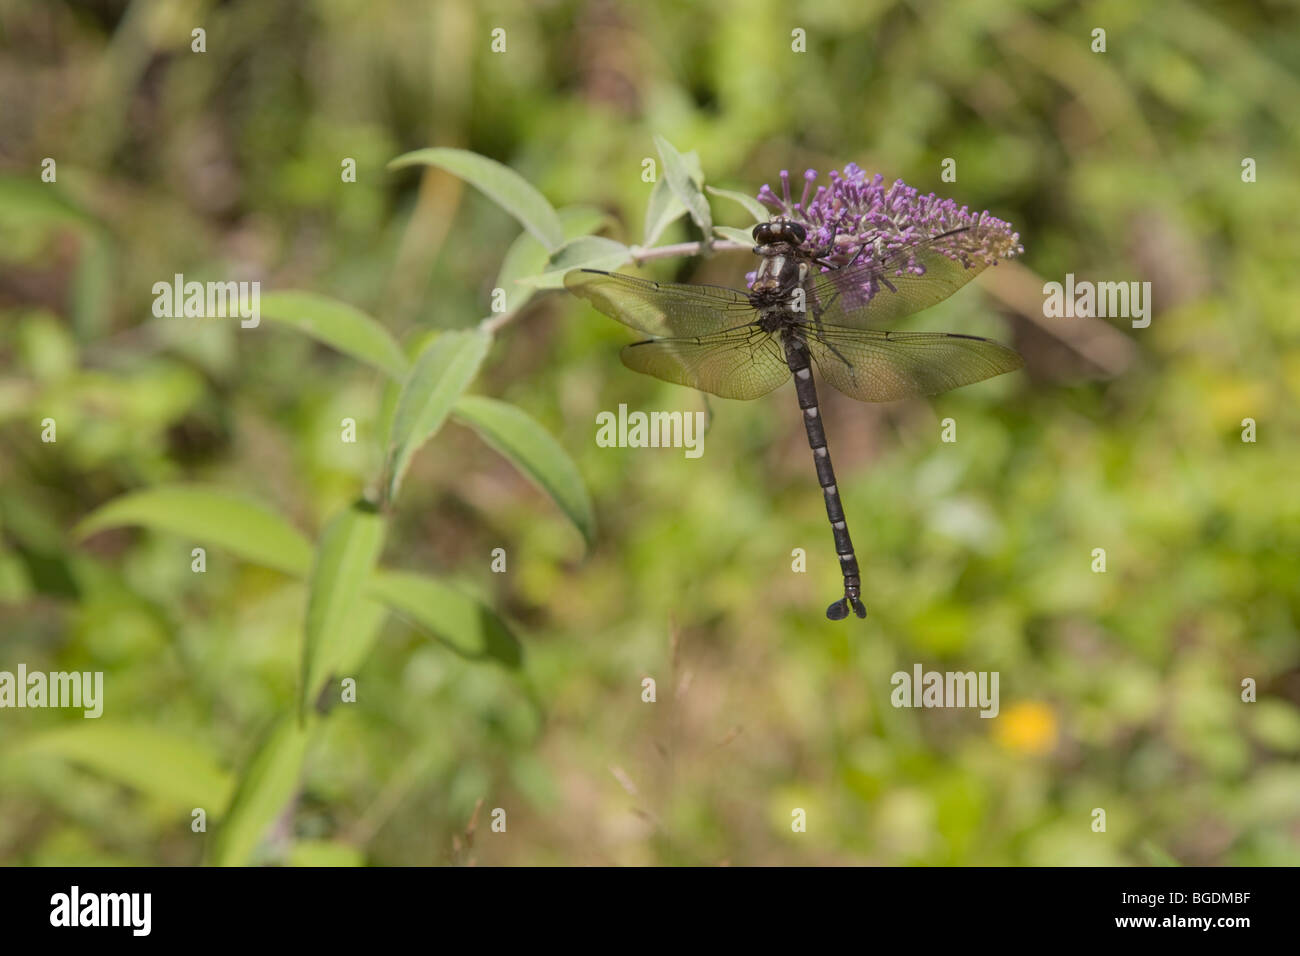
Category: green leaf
[211,516]
[735,235]
[325,853]
[267,785]
[525,257]
[359,635]
[585,252]
[1155,855]
[684,186]
[756,209]
[349,549]
[174,769]
[469,628]
[499,183]
[339,326]
[92,285]
[528,446]
[664,208]
[441,374]
[584,220]
[25,203]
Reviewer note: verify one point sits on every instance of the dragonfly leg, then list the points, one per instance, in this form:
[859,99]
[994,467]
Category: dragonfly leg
[837,353]
[830,247]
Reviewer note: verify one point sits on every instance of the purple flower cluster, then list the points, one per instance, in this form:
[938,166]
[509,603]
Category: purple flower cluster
[856,214]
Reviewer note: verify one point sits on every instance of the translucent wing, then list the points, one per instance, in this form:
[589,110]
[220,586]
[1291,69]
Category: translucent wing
[874,366]
[879,291]
[664,309]
[740,363]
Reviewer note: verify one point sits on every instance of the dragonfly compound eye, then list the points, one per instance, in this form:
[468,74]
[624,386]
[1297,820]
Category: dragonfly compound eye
[763,233]
[796,232]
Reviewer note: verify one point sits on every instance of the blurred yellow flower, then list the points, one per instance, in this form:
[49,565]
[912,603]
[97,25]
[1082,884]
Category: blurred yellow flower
[1028,727]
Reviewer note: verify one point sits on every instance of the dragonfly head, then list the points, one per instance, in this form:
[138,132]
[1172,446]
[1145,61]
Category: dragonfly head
[778,244]
[780,230]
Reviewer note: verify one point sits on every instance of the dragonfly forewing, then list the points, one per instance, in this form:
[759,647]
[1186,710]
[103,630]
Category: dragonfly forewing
[662,309]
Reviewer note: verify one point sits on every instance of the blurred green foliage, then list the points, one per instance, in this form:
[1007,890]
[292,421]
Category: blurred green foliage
[1118,690]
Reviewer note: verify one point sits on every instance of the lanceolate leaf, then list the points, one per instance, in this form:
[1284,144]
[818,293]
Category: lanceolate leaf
[756,209]
[267,785]
[466,626]
[684,187]
[359,635]
[521,439]
[440,376]
[318,853]
[499,183]
[210,516]
[585,252]
[24,202]
[168,767]
[349,548]
[664,208]
[338,325]
[583,220]
[735,235]
[525,257]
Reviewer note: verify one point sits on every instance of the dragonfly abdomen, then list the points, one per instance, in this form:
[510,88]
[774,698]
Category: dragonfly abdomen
[796,355]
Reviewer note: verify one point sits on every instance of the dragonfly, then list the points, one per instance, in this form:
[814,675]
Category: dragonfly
[795,317]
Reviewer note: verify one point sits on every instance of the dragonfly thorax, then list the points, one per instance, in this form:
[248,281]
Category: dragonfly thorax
[780,274]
